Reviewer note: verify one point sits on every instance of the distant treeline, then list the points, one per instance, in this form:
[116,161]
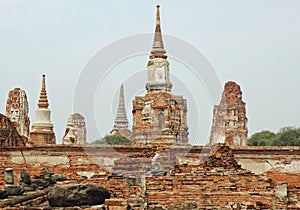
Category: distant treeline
[113,139]
[288,136]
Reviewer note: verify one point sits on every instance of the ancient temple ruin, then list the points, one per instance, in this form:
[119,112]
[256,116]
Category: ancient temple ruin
[229,118]
[75,130]
[151,176]
[70,136]
[121,121]
[9,136]
[159,116]
[17,111]
[79,128]
[42,129]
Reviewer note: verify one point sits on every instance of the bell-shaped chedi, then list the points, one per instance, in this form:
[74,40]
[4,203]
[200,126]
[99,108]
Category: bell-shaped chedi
[70,136]
[75,131]
[42,129]
[121,121]
[229,118]
[159,116]
[9,136]
[17,111]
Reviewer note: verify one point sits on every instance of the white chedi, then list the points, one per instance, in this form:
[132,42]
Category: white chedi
[70,136]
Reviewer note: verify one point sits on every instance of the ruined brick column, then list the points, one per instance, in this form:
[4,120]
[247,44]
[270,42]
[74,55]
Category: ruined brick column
[42,129]
[9,136]
[229,118]
[17,111]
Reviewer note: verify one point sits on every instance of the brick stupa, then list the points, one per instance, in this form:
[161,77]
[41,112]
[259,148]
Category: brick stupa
[229,118]
[42,129]
[159,116]
[75,133]
[17,111]
[70,136]
[121,121]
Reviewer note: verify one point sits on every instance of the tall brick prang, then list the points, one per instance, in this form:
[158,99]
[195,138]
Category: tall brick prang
[229,118]
[9,136]
[17,111]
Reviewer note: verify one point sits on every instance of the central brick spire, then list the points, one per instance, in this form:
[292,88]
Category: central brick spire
[159,116]
[158,78]
[158,50]
[43,101]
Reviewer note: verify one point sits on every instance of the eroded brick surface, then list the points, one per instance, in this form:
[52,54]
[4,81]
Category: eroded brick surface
[180,177]
[9,136]
[229,118]
[17,111]
[159,117]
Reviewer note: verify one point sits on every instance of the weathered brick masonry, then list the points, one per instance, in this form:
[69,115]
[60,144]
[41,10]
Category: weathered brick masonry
[9,136]
[229,118]
[152,176]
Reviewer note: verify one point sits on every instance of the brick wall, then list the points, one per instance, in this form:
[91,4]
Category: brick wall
[152,176]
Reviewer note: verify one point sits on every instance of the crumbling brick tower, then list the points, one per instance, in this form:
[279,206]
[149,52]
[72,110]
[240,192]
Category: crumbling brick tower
[17,111]
[80,128]
[9,136]
[229,118]
[159,116]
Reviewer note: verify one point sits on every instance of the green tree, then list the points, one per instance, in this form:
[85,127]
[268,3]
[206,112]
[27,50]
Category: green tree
[288,136]
[113,139]
[262,138]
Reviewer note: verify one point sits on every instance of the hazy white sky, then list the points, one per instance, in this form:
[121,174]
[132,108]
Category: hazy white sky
[255,43]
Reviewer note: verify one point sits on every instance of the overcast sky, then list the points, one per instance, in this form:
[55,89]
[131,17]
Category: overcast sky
[255,43]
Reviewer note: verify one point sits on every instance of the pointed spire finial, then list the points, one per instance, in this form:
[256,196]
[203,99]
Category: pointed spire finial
[158,50]
[121,121]
[43,101]
[157,15]
[122,89]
